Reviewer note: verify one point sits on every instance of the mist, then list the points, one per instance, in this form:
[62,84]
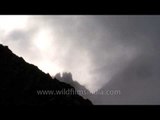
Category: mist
[95,49]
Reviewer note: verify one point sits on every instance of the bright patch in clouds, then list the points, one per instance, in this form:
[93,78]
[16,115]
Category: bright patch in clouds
[43,42]
[43,39]
[48,66]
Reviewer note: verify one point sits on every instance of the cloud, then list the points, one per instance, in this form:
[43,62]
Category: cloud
[138,83]
[95,49]
[19,39]
[138,77]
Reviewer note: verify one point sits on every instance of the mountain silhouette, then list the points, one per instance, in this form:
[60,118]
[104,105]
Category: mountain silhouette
[22,83]
[67,78]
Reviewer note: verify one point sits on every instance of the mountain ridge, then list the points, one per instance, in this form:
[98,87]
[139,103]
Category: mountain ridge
[20,81]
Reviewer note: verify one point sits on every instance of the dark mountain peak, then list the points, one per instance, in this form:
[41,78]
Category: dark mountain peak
[22,83]
[67,78]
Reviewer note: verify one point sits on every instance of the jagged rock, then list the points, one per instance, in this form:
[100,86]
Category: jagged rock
[67,78]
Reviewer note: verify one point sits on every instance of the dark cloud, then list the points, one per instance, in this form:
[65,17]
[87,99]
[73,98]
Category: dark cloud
[138,83]
[18,35]
[137,78]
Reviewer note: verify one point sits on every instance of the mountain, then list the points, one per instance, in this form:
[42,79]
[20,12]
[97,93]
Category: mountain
[67,78]
[22,83]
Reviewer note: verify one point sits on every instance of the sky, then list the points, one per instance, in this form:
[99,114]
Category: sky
[96,49]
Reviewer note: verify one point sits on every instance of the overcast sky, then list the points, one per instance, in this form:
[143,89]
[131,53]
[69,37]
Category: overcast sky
[95,49]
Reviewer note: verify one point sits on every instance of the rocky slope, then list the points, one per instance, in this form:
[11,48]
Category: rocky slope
[20,81]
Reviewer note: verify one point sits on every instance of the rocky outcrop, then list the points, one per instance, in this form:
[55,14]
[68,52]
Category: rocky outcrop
[67,78]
